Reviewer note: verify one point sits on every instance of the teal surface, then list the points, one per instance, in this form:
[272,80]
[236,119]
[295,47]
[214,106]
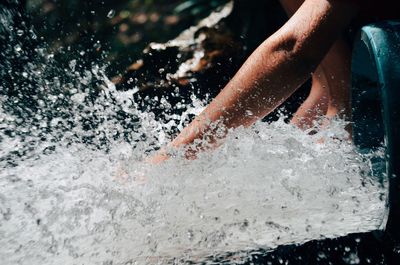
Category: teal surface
[376,104]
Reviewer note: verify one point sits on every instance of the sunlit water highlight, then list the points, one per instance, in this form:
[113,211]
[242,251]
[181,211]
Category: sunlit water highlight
[74,188]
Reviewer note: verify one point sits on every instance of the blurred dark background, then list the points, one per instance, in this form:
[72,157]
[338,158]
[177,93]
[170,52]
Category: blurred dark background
[117,30]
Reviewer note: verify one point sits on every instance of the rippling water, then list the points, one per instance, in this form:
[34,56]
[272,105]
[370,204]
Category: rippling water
[74,188]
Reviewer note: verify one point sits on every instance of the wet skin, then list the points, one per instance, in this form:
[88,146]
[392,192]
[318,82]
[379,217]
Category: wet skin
[309,43]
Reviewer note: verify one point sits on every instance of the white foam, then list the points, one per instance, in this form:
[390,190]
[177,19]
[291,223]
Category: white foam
[266,186]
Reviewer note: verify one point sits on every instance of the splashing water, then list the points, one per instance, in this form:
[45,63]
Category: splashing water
[74,189]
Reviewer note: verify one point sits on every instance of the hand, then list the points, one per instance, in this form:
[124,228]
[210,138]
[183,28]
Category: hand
[122,176]
[158,158]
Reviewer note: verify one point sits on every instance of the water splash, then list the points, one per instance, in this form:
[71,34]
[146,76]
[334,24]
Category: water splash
[74,187]
[264,187]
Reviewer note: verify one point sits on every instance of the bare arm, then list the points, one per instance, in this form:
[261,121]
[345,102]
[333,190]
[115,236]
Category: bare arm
[275,69]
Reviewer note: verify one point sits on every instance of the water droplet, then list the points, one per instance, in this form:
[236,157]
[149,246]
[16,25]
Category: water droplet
[20,32]
[17,48]
[321,255]
[396,249]
[72,65]
[111,13]
[249,113]
[97,45]
[352,259]
[33,35]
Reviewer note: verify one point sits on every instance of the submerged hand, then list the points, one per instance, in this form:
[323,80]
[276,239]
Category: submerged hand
[163,155]
[158,158]
[121,175]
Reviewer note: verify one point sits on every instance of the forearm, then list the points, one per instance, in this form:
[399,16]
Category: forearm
[254,91]
[274,71]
